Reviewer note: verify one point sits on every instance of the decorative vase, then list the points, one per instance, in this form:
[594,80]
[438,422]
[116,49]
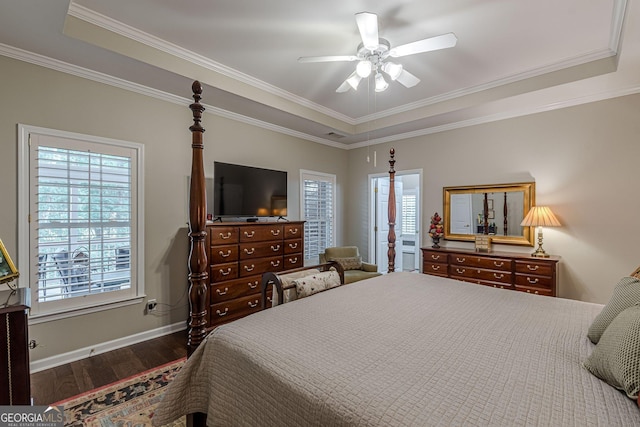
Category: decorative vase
[436,240]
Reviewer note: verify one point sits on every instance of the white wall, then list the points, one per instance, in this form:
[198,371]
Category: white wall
[41,97]
[583,159]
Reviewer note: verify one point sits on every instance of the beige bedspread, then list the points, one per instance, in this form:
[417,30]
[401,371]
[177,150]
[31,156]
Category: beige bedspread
[402,349]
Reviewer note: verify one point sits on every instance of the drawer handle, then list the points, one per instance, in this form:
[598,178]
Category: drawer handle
[436,257]
[293,245]
[249,251]
[501,287]
[225,273]
[225,236]
[247,234]
[220,313]
[529,291]
[275,263]
[460,270]
[269,299]
[534,281]
[253,285]
[533,268]
[293,230]
[222,293]
[223,255]
[275,232]
[246,267]
[498,276]
[498,264]
[435,267]
[254,305]
[293,260]
[275,248]
[461,260]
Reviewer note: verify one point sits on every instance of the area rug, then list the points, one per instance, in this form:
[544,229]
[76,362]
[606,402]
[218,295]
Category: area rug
[127,403]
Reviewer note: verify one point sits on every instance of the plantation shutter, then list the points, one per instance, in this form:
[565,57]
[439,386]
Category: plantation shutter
[318,206]
[409,214]
[82,224]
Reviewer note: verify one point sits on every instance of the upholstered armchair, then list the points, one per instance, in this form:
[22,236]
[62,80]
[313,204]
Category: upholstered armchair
[350,259]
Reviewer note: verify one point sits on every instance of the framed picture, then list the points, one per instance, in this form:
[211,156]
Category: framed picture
[8,270]
[491,214]
[490,204]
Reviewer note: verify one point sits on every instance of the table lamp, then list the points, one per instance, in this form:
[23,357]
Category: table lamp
[540,216]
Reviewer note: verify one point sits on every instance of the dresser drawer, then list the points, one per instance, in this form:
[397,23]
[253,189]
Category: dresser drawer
[261,249]
[220,272]
[480,274]
[292,246]
[261,233]
[223,254]
[230,289]
[533,267]
[258,266]
[433,256]
[434,268]
[223,235]
[490,263]
[533,290]
[293,261]
[233,309]
[545,282]
[293,231]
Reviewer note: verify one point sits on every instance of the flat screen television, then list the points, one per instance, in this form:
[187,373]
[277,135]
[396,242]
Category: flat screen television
[245,191]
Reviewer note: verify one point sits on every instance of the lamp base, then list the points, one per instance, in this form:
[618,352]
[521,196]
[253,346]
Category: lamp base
[540,255]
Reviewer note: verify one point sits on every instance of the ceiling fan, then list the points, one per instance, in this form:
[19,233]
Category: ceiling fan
[373,54]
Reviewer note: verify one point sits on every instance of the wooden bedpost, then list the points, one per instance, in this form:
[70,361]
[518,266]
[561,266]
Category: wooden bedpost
[198,274]
[391,253]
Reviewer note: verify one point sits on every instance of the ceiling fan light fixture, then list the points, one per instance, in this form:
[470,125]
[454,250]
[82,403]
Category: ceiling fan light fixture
[392,69]
[363,69]
[381,83]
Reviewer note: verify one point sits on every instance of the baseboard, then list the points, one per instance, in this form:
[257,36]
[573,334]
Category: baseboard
[83,353]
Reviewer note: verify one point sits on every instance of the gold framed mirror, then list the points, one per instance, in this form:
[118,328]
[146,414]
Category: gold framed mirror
[495,210]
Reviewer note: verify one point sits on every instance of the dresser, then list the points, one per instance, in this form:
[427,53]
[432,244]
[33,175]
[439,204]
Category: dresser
[505,270]
[239,253]
[15,388]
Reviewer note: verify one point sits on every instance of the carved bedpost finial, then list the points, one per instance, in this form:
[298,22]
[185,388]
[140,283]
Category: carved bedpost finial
[196,107]
[391,253]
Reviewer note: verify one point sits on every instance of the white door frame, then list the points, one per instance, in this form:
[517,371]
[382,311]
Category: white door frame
[372,212]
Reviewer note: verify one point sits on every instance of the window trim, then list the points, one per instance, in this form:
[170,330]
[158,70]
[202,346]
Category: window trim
[304,173]
[24,241]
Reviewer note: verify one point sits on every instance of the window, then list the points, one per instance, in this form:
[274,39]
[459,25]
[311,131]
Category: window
[83,200]
[318,210]
[409,214]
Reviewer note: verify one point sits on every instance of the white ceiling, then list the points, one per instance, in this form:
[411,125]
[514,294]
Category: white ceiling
[512,57]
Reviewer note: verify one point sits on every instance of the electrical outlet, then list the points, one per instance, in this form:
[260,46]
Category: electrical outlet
[152,304]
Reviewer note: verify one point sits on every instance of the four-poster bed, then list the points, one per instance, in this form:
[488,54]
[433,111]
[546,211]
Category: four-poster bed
[398,349]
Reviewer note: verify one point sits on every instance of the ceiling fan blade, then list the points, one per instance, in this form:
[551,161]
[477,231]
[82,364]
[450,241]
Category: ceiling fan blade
[343,87]
[426,45]
[407,79]
[331,58]
[351,82]
[368,26]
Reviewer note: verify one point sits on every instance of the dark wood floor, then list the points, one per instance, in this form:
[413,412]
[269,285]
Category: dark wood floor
[61,382]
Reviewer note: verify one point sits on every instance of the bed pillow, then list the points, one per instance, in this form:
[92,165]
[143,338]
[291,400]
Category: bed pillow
[315,283]
[349,263]
[625,294]
[636,273]
[616,358]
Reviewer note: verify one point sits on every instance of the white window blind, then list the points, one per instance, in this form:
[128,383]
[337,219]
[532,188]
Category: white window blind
[83,228]
[318,211]
[409,213]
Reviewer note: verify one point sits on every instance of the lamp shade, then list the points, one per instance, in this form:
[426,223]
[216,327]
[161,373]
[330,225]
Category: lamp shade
[540,216]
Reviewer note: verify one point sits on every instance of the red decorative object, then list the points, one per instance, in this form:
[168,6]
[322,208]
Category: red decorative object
[436,230]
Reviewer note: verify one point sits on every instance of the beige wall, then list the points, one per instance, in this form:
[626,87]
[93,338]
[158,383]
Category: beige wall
[584,161]
[41,97]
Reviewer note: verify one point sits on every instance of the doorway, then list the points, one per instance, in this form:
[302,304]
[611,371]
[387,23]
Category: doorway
[408,220]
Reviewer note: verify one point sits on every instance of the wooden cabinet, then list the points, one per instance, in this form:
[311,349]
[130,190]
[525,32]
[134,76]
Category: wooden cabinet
[238,255]
[505,270]
[15,384]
